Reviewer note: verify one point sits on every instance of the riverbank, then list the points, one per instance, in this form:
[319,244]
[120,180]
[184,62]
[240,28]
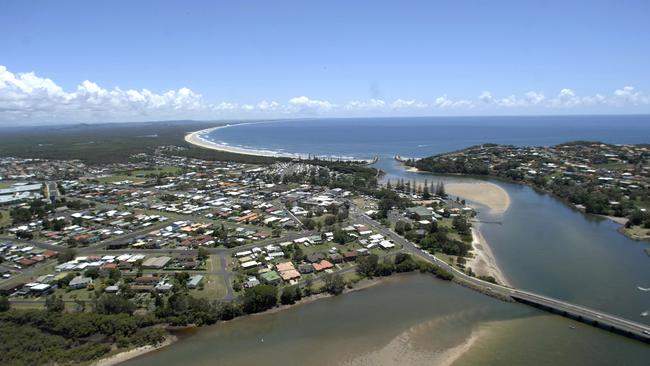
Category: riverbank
[483,262]
[198,138]
[133,353]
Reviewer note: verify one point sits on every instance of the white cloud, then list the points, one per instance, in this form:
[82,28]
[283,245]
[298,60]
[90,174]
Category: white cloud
[534,98]
[31,98]
[410,103]
[306,104]
[444,102]
[369,104]
[485,97]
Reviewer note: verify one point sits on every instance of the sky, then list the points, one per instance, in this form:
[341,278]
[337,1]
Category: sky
[89,61]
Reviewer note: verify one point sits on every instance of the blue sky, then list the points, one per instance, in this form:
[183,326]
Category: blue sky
[142,60]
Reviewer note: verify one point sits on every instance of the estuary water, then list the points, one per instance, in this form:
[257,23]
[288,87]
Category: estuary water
[541,245]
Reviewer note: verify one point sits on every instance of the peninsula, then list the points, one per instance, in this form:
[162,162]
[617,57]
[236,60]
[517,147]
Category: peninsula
[597,178]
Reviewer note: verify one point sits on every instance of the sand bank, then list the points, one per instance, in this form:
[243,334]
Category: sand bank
[403,349]
[483,262]
[484,193]
[133,353]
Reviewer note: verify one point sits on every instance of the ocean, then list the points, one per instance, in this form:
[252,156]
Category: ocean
[419,137]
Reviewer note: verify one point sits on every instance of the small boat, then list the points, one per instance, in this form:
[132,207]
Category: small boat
[645,313]
[572,327]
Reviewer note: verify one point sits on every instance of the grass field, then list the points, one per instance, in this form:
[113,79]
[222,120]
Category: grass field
[4,184]
[119,178]
[157,170]
[5,220]
[213,264]
[636,232]
[214,288]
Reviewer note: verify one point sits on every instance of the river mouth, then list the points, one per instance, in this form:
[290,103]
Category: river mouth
[413,319]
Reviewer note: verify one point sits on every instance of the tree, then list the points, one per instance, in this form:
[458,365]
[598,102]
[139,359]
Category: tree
[92,273]
[20,215]
[259,298]
[367,266]
[334,283]
[114,304]
[309,224]
[54,304]
[461,225]
[400,227]
[67,255]
[298,255]
[340,236]
[425,192]
[203,254]
[290,295]
[4,304]
[228,310]
[329,220]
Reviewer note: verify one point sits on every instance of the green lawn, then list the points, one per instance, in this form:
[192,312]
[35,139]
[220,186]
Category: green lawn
[5,220]
[157,170]
[214,288]
[5,184]
[119,178]
[636,232]
[213,264]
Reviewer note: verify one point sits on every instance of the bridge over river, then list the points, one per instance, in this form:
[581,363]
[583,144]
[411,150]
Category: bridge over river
[583,314]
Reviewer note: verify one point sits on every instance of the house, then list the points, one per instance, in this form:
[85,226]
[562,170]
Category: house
[305,268]
[80,282]
[322,265]
[111,289]
[270,277]
[385,244]
[335,258]
[147,280]
[350,256]
[156,262]
[41,289]
[251,282]
[315,257]
[419,213]
[289,275]
[286,266]
[194,281]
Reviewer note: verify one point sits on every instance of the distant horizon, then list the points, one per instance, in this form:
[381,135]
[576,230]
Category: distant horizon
[244,120]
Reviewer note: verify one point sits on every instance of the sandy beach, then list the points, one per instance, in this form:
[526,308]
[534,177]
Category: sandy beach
[483,262]
[484,193]
[133,353]
[198,138]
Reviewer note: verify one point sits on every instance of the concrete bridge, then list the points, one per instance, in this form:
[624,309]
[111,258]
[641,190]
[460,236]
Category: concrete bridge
[585,315]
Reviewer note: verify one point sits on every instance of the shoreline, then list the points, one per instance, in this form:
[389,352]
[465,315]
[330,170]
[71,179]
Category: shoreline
[121,357]
[483,261]
[197,138]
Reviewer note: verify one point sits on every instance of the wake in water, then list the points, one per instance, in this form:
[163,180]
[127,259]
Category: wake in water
[643,289]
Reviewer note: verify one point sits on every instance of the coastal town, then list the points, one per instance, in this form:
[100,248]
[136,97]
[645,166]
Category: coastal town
[228,238]
[597,178]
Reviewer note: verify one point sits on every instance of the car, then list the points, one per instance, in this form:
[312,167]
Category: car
[646,332]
